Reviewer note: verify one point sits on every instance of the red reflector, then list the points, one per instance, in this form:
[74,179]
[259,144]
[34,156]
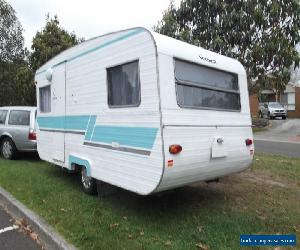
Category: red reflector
[32,136]
[170,163]
[175,149]
[248,142]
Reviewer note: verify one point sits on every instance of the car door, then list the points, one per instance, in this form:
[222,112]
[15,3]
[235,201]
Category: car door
[18,127]
[3,114]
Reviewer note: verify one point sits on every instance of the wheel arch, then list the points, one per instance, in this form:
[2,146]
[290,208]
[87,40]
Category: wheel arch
[79,162]
[6,135]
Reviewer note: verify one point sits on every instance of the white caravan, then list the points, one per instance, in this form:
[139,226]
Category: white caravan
[143,112]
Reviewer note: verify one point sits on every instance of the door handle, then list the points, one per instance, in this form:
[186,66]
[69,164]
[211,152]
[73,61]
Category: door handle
[220,140]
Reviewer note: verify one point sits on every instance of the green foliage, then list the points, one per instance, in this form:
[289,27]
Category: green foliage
[49,42]
[25,87]
[12,53]
[260,34]
[11,39]
[16,73]
[7,72]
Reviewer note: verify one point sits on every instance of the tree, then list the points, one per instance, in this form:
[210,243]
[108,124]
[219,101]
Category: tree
[261,34]
[24,85]
[49,42]
[11,39]
[11,53]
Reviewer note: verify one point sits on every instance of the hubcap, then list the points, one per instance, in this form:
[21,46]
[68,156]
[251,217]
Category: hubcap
[86,180]
[6,149]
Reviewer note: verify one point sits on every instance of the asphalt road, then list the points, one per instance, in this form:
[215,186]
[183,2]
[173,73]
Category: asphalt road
[281,138]
[12,239]
[277,148]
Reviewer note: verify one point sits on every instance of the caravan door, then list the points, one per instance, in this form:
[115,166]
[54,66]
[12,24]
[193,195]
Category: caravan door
[59,111]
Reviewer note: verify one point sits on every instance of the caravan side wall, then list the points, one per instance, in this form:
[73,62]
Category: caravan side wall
[119,145]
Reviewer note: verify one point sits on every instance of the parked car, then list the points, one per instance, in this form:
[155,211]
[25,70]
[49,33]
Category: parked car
[272,110]
[17,131]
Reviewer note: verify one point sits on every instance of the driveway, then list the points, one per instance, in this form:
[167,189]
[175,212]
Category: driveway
[282,138]
[11,237]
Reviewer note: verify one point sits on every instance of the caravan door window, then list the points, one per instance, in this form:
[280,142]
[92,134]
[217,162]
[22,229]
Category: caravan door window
[45,99]
[203,87]
[124,85]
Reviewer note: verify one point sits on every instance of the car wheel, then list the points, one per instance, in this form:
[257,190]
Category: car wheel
[89,184]
[8,149]
[284,117]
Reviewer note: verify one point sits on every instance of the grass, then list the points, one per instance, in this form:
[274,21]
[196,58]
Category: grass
[204,215]
[279,165]
[257,130]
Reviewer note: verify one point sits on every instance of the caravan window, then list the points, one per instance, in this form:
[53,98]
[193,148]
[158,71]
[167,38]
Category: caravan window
[203,87]
[45,99]
[124,85]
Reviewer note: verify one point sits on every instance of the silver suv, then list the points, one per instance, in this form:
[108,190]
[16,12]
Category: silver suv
[17,130]
[271,110]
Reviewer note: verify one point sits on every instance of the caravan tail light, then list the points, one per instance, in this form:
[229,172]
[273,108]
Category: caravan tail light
[32,135]
[248,142]
[175,149]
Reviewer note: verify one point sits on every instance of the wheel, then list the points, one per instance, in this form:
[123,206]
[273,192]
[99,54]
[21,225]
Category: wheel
[8,149]
[89,184]
[284,117]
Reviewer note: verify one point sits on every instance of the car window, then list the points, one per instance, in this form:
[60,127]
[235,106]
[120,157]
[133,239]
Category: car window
[19,117]
[3,114]
[275,105]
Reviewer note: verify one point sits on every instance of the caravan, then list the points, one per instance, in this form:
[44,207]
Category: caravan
[143,112]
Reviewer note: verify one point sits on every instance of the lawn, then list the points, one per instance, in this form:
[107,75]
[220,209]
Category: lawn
[257,130]
[202,216]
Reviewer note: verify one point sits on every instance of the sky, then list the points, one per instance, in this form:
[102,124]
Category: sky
[88,18]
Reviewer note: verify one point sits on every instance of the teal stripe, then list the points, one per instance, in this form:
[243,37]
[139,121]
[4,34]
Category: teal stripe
[141,137]
[129,34]
[64,122]
[76,160]
[90,128]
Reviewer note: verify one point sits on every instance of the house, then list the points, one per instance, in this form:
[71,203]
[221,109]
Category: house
[289,98]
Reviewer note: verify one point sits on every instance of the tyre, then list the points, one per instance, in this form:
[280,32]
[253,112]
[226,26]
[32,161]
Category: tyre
[284,117]
[8,149]
[89,184]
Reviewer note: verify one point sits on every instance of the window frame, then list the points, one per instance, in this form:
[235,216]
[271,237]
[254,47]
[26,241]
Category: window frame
[46,86]
[12,110]
[5,110]
[205,86]
[139,85]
